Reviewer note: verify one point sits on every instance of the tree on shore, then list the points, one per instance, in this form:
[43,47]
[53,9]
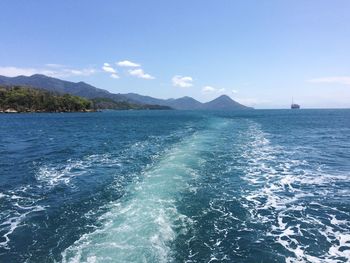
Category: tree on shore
[25,99]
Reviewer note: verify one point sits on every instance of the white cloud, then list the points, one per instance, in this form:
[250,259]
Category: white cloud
[182,82]
[78,72]
[14,71]
[107,68]
[114,76]
[333,80]
[53,65]
[139,73]
[52,72]
[127,63]
[210,89]
[234,91]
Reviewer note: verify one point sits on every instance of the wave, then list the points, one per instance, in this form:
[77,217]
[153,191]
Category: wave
[100,171]
[14,216]
[287,194]
[141,226]
[53,175]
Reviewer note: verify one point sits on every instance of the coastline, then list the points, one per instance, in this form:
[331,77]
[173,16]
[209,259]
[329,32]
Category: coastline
[13,111]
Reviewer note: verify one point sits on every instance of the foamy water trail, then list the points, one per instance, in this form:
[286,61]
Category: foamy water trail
[287,194]
[141,226]
[184,187]
[22,202]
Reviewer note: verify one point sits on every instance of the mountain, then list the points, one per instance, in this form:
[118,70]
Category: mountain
[25,99]
[143,99]
[61,86]
[88,91]
[224,102]
[184,103]
[105,103]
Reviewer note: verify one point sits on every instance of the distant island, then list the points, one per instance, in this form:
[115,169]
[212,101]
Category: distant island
[103,99]
[18,99]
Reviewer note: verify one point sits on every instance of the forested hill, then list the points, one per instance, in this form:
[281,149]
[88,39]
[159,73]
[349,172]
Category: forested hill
[28,99]
[24,99]
[106,98]
[106,103]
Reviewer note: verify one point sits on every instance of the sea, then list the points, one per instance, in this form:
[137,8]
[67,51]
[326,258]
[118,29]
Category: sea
[175,186]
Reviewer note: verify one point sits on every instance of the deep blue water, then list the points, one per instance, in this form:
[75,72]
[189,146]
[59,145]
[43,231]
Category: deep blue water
[174,186]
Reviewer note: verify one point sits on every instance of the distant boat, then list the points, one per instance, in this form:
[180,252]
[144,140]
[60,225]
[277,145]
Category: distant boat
[294,105]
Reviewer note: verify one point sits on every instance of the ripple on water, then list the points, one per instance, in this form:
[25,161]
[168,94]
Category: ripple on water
[283,188]
[142,225]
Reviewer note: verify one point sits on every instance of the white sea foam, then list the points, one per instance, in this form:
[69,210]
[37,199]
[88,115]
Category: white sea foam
[13,222]
[53,175]
[278,187]
[17,206]
[141,226]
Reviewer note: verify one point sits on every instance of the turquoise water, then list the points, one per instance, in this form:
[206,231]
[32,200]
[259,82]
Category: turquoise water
[174,186]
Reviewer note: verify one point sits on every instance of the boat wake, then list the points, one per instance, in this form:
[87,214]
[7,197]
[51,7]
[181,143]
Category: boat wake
[141,226]
[218,189]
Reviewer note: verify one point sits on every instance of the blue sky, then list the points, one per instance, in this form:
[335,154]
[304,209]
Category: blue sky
[260,53]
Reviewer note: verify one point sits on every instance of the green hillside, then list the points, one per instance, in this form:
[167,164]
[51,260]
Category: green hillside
[24,99]
[28,99]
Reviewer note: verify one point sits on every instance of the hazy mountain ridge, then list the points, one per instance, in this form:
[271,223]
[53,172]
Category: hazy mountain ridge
[223,102]
[83,89]
[61,86]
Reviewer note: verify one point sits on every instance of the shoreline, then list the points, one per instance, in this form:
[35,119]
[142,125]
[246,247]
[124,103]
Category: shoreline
[12,111]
